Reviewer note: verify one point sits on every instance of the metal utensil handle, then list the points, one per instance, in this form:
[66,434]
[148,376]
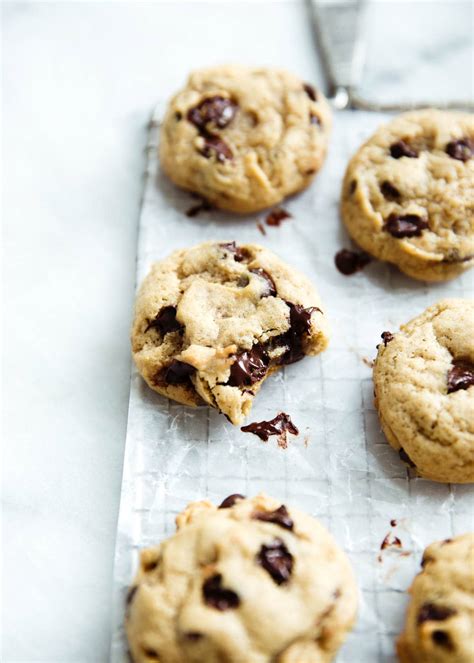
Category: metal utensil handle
[338,26]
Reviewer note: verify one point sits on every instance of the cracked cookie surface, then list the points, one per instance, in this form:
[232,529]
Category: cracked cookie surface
[439,624]
[213,321]
[253,581]
[244,138]
[408,194]
[424,391]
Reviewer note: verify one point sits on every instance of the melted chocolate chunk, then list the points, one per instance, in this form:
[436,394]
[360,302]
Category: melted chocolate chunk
[402,149]
[460,376]
[462,149]
[310,91]
[270,290]
[165,321]
[389,191]
[279,517]
[314,119]
[150,653]
[277,560]
[280,425]
[249,367]
[229,502]
[406,458]
[276,216]
[386,337]
[150,565]
[217,596]
[393,522]
[218,147]
[434,613]
[350,262]
[178,116]
[239,253]
[217,110]
[300,324]
[442,639]
[352,187]
[405,225]
[178,372]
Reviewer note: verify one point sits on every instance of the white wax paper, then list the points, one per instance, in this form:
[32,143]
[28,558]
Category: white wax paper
[340,468]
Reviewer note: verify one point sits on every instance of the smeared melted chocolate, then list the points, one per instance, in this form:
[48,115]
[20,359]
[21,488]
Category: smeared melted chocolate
[349,262]
[279,517]
[249,367]
[279,425]
[405,225]
[229,501]
[277,560]
[217,596]
[270,290]
[461,375]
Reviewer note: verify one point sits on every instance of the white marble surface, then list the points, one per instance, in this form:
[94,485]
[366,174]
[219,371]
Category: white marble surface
[79,83]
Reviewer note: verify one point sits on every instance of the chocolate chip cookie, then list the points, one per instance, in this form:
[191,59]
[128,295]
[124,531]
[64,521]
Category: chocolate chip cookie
[213,321]
[252,581]
[439,625]
[243,137]
[408,194]
[424,391]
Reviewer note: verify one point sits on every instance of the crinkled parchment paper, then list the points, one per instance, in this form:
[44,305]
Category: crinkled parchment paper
[340,469]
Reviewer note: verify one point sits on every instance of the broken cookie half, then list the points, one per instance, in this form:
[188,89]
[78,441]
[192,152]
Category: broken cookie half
[212,322]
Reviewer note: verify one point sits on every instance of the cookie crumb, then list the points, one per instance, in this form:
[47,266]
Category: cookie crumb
[261,227]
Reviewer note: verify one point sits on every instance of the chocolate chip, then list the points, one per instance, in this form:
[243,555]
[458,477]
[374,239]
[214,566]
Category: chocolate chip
[406,458]
[350,262]
[389,191]
[217,110]
[150,565]
[129,598]
[270,290]
[460,376]
[217,596]
[310,91]
[229,502]
[300,324]
[462,149]
[314,119]
[434,613]
[178,116]
[276,216]
[405,225]
[279,517]
[279,425]
[193,636]
[249,367]
[442,639]
[425,559]
[402,149]
[150,653]
[386,337]
[239,253]
[352,187]
[446,541]
[178,372]
[165,321]
[277,560]
[218,147]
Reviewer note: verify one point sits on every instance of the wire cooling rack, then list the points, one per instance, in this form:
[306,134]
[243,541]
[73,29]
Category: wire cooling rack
[340,468]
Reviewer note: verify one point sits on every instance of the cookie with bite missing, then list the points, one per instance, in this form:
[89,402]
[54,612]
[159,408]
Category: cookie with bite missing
[424,391]
[439,626]
[251,581]
[212,322]
[244,138]
[408,194]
